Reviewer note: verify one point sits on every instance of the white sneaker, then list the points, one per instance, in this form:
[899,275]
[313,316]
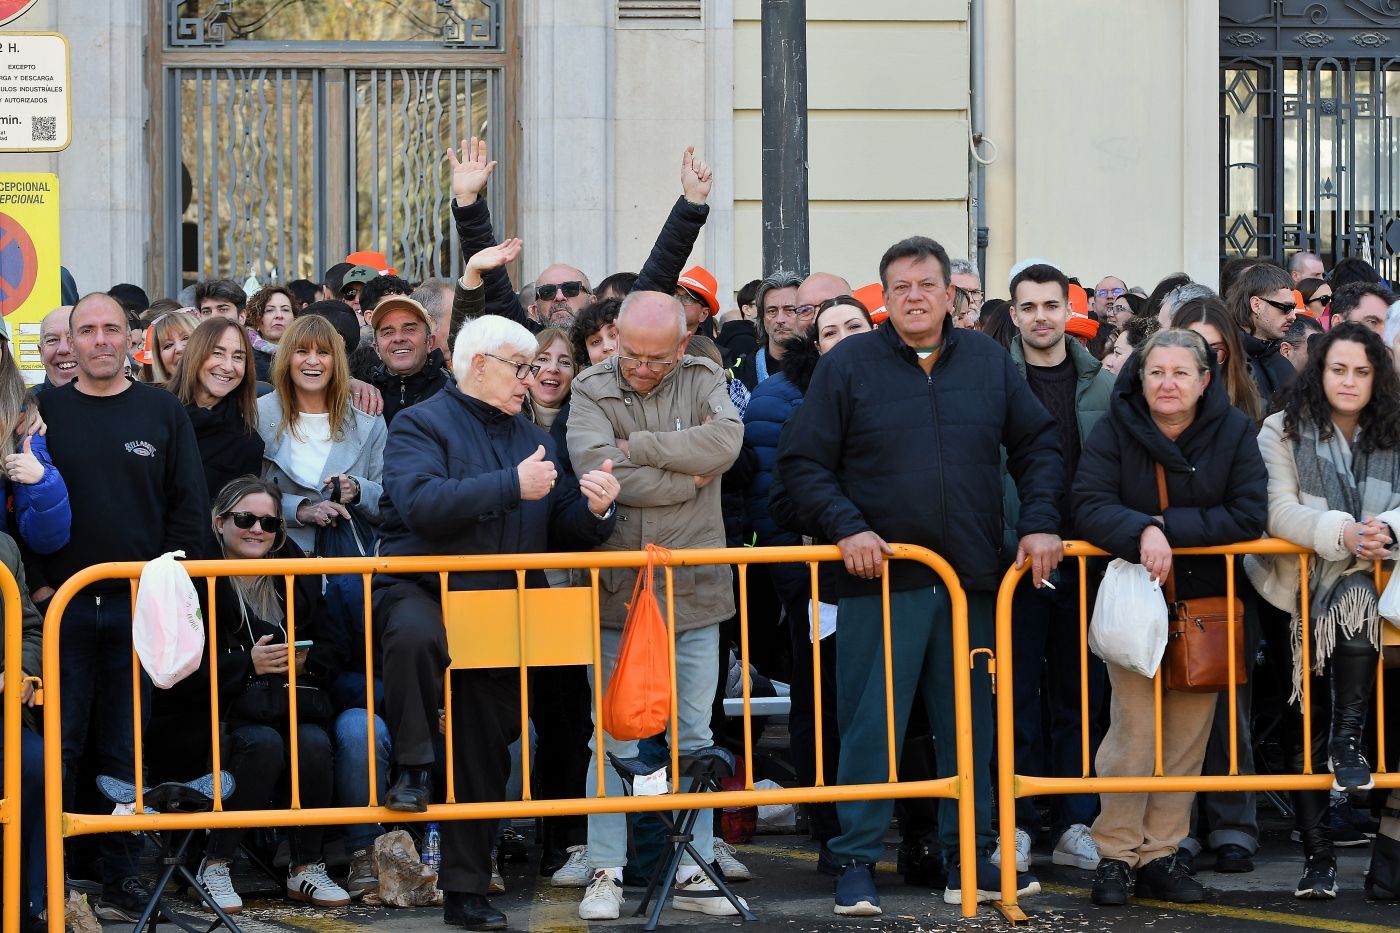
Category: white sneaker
[574,873]
[1077,848]
[698,893]
[729,865]
[312,885]
[603,899]
[1023,851]
[214,878]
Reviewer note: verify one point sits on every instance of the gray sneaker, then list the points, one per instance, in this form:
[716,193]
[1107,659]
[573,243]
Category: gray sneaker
[362,879]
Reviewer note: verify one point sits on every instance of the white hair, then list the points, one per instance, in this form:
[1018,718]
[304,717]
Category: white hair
[435,297]
[1025,264]
[491,333]
[1392,326]
[963,267]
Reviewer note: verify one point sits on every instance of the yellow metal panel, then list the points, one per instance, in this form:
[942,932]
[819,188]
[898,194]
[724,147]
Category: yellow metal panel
[483,628]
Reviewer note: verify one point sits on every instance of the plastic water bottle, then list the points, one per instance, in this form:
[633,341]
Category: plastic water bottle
[432,847]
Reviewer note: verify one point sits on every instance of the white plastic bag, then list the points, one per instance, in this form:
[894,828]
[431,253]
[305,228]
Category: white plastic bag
[1129,627]
[167,628]
[1390,599]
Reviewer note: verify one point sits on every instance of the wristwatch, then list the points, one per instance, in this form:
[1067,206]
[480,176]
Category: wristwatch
[606,515]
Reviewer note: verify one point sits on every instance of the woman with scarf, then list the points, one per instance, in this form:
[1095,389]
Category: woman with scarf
[1333,454]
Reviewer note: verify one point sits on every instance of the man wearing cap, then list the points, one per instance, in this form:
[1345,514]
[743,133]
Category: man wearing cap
[375,260]
[412,366]
[353,283]
[698,293]
[1075,389]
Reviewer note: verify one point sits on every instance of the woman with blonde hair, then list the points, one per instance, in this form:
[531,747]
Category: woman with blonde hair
[166,338]
[322,453]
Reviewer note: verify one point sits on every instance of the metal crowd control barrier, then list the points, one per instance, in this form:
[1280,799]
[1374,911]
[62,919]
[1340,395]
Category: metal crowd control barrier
[546,638]
[1012,786]
[13,710]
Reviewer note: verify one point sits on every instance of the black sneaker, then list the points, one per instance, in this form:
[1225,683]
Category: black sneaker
[1319,881]
[1233,859]
[1350,770]
[1342,813]
[922,866]
[1113,883]
[1165,879]
[124,901]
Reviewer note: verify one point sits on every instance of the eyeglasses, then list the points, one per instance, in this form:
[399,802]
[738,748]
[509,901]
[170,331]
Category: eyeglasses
[570,290]
[271,524]
[1110,292]
[687,297]
[1323,300]
[1283,306]
[801,312]
[653,365]
[522,370]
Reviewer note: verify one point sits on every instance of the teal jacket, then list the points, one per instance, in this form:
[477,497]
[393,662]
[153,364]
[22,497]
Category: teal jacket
[1095,385]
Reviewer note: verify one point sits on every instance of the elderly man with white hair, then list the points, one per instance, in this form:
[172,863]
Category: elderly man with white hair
[466,473]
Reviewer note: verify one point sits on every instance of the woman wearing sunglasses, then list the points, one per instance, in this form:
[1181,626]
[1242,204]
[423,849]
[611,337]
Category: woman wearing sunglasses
[255,655]
[216,383]
[322,453]
[1262,305]
[1317,299]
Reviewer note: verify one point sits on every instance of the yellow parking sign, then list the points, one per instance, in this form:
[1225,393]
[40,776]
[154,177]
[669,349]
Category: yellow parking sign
[29,259]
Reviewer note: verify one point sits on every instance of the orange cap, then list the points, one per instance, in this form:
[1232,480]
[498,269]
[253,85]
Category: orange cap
[873,297]
[699,281]
[377,261]
[1078,299]
[1081,325]
[143,355]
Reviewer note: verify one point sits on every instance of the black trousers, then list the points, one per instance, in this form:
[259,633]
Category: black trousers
[485,718]
[561,706]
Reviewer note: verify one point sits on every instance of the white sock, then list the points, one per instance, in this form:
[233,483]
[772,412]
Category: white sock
[615,873]
[685,872]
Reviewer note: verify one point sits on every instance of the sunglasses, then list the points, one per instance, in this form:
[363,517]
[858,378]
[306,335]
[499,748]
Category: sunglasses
[570,290]
[245,520]
[1283,306]
[1323,300]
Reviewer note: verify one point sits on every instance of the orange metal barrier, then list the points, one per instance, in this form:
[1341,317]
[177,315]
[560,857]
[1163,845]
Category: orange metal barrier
[549,627]
[12,700]
[1012,786]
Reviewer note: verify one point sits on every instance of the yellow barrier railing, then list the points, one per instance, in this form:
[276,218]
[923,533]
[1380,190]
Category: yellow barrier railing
[1011,786]
[513,644]
[13,710]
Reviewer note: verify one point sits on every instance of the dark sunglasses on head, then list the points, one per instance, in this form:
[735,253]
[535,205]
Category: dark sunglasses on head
[570,290]
[245,520]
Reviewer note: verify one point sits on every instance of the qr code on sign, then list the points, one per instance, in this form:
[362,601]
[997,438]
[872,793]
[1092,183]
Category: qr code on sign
[44,129]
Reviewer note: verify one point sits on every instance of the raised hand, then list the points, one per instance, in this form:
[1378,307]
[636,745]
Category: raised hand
[493,257]
[24,467]
[536,476]
[696,177]
[471,171]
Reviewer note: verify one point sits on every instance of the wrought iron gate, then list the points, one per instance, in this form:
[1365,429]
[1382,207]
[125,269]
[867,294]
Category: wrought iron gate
[284,150]
[1309,99]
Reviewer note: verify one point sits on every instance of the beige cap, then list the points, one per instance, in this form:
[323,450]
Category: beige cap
[398,303]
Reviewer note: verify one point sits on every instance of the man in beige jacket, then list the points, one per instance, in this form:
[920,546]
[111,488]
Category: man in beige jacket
[665,421]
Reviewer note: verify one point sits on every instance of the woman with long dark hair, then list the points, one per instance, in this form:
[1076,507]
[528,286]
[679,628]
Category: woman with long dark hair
[1209,318]
[216,383]
[1333,453]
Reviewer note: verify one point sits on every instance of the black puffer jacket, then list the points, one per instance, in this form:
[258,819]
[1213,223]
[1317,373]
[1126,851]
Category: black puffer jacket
[878,445]
[1270,368]
[1216,482]
[402,391]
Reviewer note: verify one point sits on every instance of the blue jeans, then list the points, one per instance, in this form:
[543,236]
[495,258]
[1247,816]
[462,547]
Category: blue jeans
[95,654]
[921,643]
[697,674]
[352,771]
[31,844]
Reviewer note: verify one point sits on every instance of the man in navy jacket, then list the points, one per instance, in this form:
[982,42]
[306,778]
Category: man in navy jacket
[899,440]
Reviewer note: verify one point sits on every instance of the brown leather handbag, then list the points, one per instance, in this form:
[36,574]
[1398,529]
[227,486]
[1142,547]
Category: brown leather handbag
[1197,658]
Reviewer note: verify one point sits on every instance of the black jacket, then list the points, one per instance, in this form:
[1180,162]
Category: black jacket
[226,447]
[1216,482]
[451,487]
[402,391]
[737,340]
[475,234]
[879,446]
[1270,368]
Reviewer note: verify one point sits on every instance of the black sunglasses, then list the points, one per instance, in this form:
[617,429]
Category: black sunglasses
[570,290]
[1285,307]
[1323,300]
[245,520]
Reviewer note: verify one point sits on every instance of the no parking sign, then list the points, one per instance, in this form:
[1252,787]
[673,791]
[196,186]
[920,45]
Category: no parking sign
[29,258]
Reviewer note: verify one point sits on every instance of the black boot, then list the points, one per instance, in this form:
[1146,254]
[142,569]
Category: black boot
[410,792]
[472,911]
[1164,880]
[1353,669]
[1113,883]
[1313,806]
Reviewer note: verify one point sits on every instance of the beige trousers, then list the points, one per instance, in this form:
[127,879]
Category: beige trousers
[1140,828]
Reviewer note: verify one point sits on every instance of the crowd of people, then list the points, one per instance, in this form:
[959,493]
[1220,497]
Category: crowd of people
[368,414]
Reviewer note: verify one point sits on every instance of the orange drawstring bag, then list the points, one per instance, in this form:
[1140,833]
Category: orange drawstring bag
[637,703]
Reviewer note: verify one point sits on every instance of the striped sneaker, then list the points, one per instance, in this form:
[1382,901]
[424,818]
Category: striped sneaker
[312,885]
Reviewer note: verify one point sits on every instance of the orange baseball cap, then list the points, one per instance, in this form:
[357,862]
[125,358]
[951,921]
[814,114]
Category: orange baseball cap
[873,297]
[376,261]
[1078,299]
[699,281]
[1081,325]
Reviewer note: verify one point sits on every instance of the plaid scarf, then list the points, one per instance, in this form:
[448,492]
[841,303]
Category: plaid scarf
[1335,476]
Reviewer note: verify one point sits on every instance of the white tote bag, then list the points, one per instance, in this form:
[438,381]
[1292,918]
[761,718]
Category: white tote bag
[1129,627]
[167,628]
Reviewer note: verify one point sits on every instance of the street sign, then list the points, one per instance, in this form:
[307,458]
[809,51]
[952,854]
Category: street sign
[35,108]
[29,256]
[14,9]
